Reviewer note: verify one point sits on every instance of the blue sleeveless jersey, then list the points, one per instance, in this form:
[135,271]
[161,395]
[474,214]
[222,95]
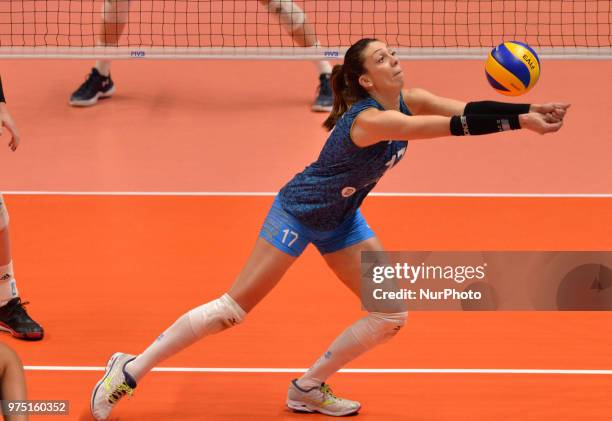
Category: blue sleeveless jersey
[331,189]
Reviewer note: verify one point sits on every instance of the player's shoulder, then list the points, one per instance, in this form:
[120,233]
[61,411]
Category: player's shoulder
[415,98]
[368,115]
[416,94]
[365,107]
[369,112]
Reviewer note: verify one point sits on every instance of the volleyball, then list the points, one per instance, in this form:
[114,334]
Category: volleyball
[512,68]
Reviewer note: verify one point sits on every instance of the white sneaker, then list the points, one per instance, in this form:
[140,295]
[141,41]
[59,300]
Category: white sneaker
[319,399]
[115,384]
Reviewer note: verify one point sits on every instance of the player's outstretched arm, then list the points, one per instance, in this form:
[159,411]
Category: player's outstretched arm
[373,126]
[423,102]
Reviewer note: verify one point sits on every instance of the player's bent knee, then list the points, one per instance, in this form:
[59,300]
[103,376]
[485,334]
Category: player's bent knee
[291,15]
[215,316]
[396,319]
[387,325]
[115,11]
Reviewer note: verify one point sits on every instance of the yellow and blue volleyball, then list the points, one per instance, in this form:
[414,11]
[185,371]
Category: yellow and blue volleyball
[512,68]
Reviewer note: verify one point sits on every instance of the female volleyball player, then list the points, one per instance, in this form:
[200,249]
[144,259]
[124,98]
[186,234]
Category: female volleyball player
[115,16]
[13,316]
[320,205]
[12,380]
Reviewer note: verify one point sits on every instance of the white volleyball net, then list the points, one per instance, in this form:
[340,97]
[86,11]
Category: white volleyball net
[249,29]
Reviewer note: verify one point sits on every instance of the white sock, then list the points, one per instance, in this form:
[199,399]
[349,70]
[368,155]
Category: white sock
[8,285]
[323,66]
[358,338]
[204,320]
[345,348]
[103,67]
[178,336]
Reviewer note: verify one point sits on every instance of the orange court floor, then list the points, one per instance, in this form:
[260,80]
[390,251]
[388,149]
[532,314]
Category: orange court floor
[127,214]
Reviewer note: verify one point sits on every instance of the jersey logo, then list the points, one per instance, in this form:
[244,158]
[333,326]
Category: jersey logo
[396,157]
[348,191]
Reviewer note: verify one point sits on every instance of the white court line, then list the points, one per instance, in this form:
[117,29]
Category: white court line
[344,370]
[239,194]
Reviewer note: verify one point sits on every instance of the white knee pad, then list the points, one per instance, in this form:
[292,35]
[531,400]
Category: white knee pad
[215,316]
[291,16]
[115,11]
[4,216]
[377,328]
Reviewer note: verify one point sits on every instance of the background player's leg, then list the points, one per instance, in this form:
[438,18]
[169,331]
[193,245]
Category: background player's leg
[13,316]
[115,17]
[12,380]
[8,285]
[99,83]
[303,32]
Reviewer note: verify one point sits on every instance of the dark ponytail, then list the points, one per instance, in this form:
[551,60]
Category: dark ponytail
[338,84]
[345,81]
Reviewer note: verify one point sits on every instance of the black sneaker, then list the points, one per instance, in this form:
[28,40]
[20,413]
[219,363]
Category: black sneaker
[15,320]
[95,87]
[325,98]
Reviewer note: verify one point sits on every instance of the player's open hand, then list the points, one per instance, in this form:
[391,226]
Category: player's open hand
[7,121]
[540,123]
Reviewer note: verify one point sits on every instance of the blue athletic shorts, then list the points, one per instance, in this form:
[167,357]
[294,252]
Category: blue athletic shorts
[288,234]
